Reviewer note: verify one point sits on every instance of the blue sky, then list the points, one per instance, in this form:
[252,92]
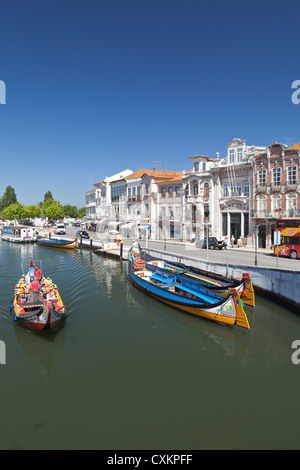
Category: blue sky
[94,87]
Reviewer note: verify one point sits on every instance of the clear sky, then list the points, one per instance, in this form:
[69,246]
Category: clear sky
[94,87]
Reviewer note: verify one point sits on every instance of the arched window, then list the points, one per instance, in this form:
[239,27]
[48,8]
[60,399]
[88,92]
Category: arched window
[206,190]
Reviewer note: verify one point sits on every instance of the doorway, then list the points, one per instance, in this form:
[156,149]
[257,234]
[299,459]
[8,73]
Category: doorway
[235,227]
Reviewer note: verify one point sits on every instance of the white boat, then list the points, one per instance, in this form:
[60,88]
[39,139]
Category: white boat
[18,233]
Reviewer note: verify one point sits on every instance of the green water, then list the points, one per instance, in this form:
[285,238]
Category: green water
[126,372]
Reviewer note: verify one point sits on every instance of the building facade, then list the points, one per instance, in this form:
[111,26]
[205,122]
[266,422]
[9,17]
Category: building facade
[276,178]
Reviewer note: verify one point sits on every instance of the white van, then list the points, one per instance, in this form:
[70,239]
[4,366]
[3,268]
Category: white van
[60,229]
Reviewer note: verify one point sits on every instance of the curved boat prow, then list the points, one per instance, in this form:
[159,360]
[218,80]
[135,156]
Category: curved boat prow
[248,295]
[241,317]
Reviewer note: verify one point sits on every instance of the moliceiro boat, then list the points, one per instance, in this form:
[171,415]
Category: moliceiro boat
[188,296]
[215,282]
[58,243]
[37,303]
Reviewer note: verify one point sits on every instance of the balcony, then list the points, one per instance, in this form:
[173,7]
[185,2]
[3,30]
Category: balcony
[291,186]
[261,188]
[273,214]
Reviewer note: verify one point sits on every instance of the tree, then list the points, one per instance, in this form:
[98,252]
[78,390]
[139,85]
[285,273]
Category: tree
[9,197]
[53,209]
[31,212]
[70,211]
[82,212]
[48,195]
[13,212]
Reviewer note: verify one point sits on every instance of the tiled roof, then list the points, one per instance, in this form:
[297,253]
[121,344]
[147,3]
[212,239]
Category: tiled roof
[155,173]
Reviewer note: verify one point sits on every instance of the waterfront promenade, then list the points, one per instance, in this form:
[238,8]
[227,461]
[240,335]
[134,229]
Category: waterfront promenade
[232,256]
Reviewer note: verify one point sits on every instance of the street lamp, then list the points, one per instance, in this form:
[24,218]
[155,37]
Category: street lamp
[256,230]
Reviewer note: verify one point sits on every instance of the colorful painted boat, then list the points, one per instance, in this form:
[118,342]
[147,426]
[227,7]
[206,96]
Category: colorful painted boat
[46,311]
[189,296]
[58,243]
[219,284]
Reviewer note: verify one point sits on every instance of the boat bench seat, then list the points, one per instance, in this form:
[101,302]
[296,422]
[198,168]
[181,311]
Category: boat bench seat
[157,277]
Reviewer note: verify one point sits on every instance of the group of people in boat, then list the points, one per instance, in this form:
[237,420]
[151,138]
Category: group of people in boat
[32,284]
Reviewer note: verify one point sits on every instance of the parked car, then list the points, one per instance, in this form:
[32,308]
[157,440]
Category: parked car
[213,243]
[60,229]
[82,233]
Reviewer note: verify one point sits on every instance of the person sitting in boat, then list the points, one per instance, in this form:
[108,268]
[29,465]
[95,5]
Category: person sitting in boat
[51,295]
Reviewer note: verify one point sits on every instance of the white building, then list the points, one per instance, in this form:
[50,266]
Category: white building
[232,192]
[197,209]
[98,200]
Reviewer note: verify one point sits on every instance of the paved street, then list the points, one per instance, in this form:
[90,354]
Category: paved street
[236,256]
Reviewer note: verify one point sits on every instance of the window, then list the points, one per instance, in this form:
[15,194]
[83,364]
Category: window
[129,192]
[276,203]
[236,189]
[231,156]
[262,177]
[240,154]
[224,224]
[204,166]
[292,174]
[170,190]
[196,166]
[246,188]
[133,191]
[206,212]
[195,189]
[225,190]
[206,190]
[177,191]
[138,190]
[147,188]
[262,204]
[276,176]
[163,192]
[291,204]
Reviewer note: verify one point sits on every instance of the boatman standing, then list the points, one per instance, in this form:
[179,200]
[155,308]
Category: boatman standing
[35,286]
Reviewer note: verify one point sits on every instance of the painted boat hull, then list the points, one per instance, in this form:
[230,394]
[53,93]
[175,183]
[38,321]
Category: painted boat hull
[228,310]
[54,243]
[44,316]
[214,282]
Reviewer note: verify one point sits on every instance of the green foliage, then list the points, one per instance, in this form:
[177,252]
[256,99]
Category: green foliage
[9,197]
[18,211]
[82,212]
[70,211]
[48,195]
[53,209]
[13,212]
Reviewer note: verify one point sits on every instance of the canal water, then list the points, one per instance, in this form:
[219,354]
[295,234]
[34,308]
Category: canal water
[126,372]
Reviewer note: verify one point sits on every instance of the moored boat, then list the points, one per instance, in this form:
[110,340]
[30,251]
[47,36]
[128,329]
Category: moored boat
[18,233]
[215,282]
[189,296]
[58,243]
[37,303]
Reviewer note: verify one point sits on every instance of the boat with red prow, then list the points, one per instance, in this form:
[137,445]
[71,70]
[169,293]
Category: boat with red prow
[37,303]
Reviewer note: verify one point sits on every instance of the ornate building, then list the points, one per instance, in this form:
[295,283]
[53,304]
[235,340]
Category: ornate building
[276,178]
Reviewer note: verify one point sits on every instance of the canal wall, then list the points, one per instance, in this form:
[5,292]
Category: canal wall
[278,284]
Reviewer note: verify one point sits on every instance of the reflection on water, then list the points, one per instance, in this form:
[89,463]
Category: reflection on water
[126,372]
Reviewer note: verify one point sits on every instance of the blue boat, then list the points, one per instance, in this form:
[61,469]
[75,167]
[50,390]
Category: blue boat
[189,296]
[211,281]
[58,243]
